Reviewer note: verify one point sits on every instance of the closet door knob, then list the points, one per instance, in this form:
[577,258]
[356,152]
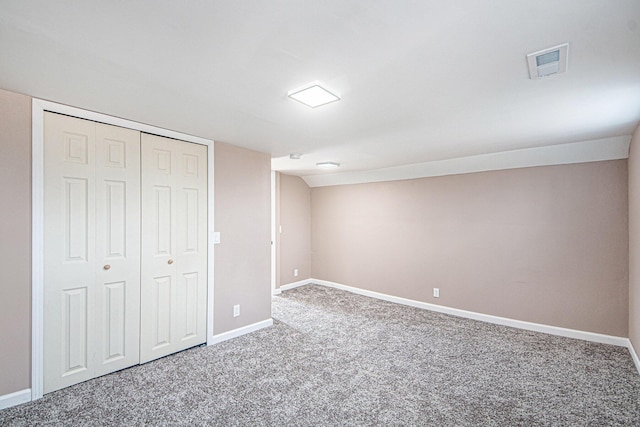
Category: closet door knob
[170,261]
[106,267]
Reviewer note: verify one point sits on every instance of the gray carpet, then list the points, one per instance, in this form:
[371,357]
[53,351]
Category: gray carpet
[334,358]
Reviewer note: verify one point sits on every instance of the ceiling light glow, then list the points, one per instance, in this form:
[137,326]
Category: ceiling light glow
[328,165]
[313,95]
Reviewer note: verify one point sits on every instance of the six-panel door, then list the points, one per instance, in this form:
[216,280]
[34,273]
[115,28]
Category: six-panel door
[174,246]
[91,250]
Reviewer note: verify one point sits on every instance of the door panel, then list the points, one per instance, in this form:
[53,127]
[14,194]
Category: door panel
[187,298]
[91,250]
[117,247]
[161,312]
[116,218]
[163,230]
[76,219]
[174,252]
[76,328]
[115,310]
[69,262]
[191,224]
[191,257]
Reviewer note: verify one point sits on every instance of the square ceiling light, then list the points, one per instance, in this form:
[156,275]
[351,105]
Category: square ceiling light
[313,95]
[328,165]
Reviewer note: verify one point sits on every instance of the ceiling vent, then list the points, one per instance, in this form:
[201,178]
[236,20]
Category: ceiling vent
[548,62]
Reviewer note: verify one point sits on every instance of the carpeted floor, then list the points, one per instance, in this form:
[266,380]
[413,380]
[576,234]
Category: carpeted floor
[335,358]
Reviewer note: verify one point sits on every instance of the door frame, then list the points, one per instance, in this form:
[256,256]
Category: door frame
[274,266]
[39,107]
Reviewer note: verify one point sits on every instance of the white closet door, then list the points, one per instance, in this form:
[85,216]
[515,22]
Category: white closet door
[69,241]
[91,206]
[174,246]
[117,248]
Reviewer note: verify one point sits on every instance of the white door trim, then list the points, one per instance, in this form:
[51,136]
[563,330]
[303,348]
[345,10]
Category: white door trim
[37,220]
[273,233]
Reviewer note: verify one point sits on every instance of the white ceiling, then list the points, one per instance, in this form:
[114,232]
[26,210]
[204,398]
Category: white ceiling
[420,81]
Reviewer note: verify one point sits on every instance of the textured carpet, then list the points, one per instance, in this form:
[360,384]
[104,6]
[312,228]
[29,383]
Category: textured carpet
[335,358]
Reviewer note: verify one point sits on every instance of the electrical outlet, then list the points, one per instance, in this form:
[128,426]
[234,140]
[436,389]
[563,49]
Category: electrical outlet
[436,292]
[295,272]
[236,310]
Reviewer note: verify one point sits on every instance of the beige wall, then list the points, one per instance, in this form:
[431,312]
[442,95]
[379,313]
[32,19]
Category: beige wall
[295,219]
[634,241]
[15,242]
[545,245]
[242,216]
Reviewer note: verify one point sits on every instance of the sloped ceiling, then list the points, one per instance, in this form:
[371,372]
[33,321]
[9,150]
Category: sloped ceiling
[420,81]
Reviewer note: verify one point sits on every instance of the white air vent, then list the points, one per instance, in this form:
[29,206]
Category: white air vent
[548,62]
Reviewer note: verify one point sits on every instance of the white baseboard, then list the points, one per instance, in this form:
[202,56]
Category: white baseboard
[14,399]
[276,292]
[240,331]
[297,284]
[634,355]
[520,324]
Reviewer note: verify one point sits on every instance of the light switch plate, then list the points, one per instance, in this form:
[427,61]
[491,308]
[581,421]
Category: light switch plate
[216,237]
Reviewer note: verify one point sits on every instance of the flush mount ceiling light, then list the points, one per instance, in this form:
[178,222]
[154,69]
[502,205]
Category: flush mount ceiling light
[295,156]
[313,95]
[548,61]
[328,165]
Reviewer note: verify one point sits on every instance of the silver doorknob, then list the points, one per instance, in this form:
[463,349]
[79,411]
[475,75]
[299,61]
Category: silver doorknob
[170,261]
[106,267]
